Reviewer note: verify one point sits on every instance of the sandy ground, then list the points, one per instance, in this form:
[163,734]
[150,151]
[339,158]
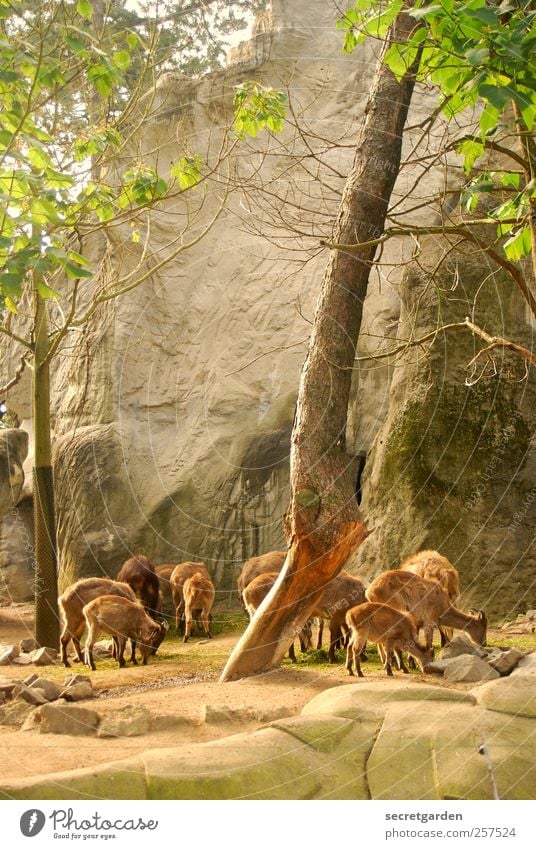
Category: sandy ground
[174,685]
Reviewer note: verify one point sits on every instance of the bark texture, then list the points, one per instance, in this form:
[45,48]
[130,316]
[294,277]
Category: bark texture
[323,526]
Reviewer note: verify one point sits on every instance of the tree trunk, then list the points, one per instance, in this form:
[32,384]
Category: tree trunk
[47,629]
[322,525]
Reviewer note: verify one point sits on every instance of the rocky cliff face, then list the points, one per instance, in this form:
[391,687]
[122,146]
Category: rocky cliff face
[173,433]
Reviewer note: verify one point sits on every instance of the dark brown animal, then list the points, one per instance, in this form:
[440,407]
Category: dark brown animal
[139,573]
[180,574]
[72,603]
[393,630]
[255,593]
[121,619]
[427,602]
[261,565]
[199,594]
[341,594]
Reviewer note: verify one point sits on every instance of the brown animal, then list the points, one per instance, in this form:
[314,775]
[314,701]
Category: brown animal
[341,594]
[255,593]
[199,594]
[261,565]
[121,619]
[72,602]
[138,572]
[427,602]
[180,574]
[435,567]
[393,630]
[164,574]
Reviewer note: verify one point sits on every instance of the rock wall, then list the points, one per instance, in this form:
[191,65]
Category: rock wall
[453,466]
[16,535]
[173,436]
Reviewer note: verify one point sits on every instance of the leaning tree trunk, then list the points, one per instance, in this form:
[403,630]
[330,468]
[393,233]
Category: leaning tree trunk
[322,525]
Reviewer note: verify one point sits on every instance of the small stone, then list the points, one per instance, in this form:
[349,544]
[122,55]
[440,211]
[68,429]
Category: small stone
[215,714]
[461,644]
[76,679]
[61,718]
[270,714]
[103,648]
[439,665]
[15,713]
[78,692]
[50,689]
[7,653]
[28,645]
[130,721]
[469,668]
[7,687]
[22,660]
[506,660]
[44,656]
[28,694]
[531,614]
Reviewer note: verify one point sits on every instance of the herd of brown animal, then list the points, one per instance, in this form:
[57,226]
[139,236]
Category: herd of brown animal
[421,594]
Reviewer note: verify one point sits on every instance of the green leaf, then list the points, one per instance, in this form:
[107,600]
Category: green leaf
[488,119]
[75,272]
[470,149]
[11,305]
[121,59]
[519,245]
[84,9]
[477,55]
[511,180]
[44,291]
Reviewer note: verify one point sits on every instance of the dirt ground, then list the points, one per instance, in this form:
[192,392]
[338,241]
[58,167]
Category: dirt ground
[174,686]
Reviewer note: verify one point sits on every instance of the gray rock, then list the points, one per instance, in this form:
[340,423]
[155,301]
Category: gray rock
[439,665]
[22,660]
[531,614]
[45,656]
[61,718]
[30,695]
[216,714]
[50,689]
[526,663]
[270,714]
[28,645]
[7,687]
[8,653]
[15,713]
[460,645]
[103,648]
[469,668]
[76,679]
[130,721]
[78,692]
[507,660]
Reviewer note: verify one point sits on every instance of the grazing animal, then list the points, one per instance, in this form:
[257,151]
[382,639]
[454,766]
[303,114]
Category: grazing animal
[427,602]
[199,594]
[138,572]
[255,593]
[341,594]
[121,619]
[261,565]
[435,567]
[72,602]
[180,574]
[393,630]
